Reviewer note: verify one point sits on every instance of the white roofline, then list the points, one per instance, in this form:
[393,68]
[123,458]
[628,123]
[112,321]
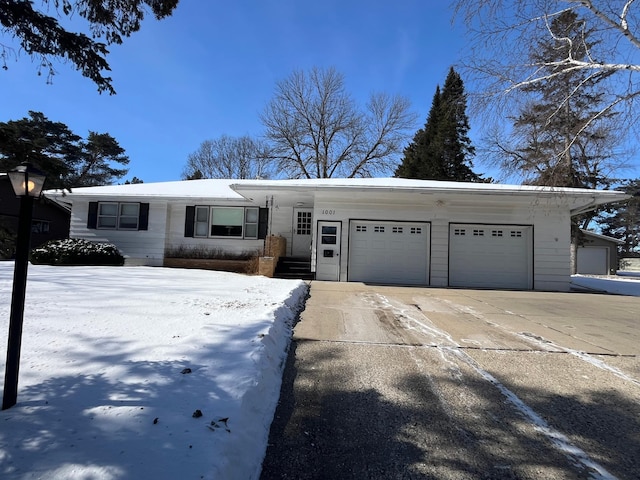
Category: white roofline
[589,233]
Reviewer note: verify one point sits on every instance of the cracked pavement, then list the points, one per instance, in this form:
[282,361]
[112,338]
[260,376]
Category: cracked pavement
[403,382]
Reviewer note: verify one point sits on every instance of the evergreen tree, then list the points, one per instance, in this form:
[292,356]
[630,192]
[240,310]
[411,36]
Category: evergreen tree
[560,136]
[442,150]
[41,32]
[622,220]
[99,153]
[66,159]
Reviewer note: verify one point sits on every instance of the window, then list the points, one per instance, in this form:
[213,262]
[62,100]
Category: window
[201,222]
[397,230]
[303,223]
[237,222]
[416,230]
[118,215]
[122,216]
[478,233]
[461,232]
[496,233]
[516,233]
[378,229]
[39,226]
[251,223]
[227,221]
[128,217]
[361,228]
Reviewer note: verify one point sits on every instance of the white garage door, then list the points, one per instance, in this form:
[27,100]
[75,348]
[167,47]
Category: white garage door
[490,256]
[389,252]
[593,260]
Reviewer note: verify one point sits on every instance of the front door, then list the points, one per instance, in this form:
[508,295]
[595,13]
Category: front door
[301,238]
[328,251]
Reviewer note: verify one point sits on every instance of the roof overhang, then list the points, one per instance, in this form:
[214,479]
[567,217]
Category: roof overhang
[349,190]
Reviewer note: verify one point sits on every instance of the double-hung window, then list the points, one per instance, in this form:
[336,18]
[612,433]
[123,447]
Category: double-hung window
[237,222]
[122,216]
[118,215]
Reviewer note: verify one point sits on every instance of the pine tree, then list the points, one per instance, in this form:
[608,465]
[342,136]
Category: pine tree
[66,159]
[442,150]
[622,220]
[556,140]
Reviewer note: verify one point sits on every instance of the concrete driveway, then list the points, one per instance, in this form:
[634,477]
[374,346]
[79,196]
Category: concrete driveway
[399,382]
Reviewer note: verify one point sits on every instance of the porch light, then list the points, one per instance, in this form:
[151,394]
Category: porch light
[27,182]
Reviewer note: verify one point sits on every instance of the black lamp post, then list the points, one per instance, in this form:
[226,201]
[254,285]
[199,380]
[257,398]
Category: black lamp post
[27,183]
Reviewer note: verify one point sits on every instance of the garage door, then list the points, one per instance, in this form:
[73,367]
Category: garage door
[593,260]
[389,252]
[490,256]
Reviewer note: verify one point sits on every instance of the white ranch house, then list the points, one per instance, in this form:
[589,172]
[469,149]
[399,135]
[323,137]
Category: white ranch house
[383,230]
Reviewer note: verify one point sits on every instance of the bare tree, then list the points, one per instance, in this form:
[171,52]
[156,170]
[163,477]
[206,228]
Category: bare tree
[503,32]
[316,129]
[229,157]
[560,136]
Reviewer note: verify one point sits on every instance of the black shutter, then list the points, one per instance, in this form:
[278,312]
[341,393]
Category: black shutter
[92,218]
[143,219]
[189,220]
[263,223]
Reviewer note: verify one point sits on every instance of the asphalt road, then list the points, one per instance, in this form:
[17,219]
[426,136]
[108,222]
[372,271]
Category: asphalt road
[404,383]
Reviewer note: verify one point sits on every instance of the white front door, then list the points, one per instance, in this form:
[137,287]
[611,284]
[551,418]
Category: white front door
[328,251]
[301,238]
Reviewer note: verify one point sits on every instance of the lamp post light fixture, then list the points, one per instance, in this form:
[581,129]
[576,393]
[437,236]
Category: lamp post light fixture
[27,182]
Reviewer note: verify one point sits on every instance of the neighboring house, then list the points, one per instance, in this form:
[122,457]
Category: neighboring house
[50,219]
[393,231]
[597,254]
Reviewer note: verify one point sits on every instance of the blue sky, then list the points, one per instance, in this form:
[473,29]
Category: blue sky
[211,68]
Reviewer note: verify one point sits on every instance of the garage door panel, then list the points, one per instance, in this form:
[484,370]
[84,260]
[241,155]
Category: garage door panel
[389,252]
[490,256]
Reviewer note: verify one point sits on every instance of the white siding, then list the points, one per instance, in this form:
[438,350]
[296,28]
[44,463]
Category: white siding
[176,238]
[139,247]
[549,219]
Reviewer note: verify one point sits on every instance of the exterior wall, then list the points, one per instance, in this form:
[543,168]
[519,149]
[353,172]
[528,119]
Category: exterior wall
[550,221]
[281,224]
[139,247]
[175,232]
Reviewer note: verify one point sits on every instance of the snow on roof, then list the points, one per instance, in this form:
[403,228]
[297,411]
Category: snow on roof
[589,233]
[228,189]
[179,189]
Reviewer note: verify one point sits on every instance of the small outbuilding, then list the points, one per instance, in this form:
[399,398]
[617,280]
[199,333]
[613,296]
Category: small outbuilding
[597,254]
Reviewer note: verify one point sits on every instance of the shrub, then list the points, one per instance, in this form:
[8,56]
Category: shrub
[202,252]
[74,251]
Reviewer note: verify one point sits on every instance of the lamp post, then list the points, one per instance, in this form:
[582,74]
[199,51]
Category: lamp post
[27,183]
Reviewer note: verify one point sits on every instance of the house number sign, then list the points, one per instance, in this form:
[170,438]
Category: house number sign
[328,212]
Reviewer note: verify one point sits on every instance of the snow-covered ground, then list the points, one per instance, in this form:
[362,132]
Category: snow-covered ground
[625,283]
[116,361]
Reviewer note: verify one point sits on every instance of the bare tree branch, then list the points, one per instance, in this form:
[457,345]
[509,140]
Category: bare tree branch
[316,130]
